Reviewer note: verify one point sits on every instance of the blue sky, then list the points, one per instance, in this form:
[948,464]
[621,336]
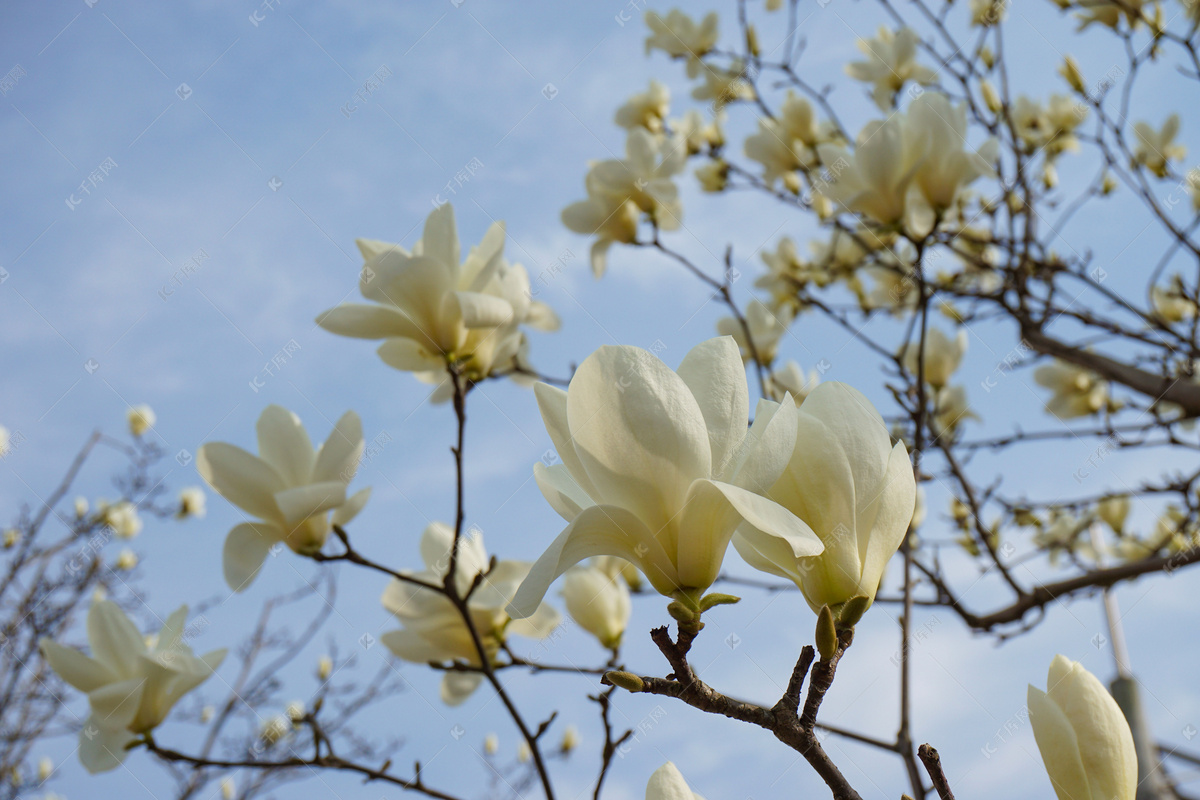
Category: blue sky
[239,139]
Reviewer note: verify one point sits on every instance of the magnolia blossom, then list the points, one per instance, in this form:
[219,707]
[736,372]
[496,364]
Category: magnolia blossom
[788,273]
[1171,303]
[679,36]
[766,329]
[942,355]
[851,486]
[946,167]
[723,86]
[950,409]
[988,12]
[1077,392]
[1082,734]
[697,133]
[598,599]
[648,109]
[790,379]
[658,468]
[191,503]
[141,419]
[788,142]
[430,308]
[874,180]
[122,518]
[1110,12]
[1050,128]
[434,630]
[619,191]
[130,686]
[289,487]
[1114,511]
[891,62]
[667,783]
[713,175]
[1157,147]
[126,560]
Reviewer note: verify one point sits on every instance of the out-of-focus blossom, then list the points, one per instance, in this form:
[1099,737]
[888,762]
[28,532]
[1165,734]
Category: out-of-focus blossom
[1155,148]
[679,36]
[434,630]
[141,419]
[942,356]
[766,329]
[648,109]
[122,518]
[191,503]
[723,86]
[1076,392]
[874,179]
[891,62]
[790,379]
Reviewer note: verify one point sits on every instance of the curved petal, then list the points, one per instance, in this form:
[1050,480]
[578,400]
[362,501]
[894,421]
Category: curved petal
[714,372]
[768,447]
[638,431]
[116,705]
[714,511]
[597,531]
[458,686]
[370,248]
[241,478]
[539,624]
[552,403]
[1058,745]
[440,238]
[302,502]
[85,674]
[116,642]
[483,310]
[416,286]
[284,444]
[362,321]
[354,504]
[338,458]
[561,490]
[246,548]
[667,783]
[1104,739]
[409,355]
[102,749]
[542,317]
[893,511]
[410,646]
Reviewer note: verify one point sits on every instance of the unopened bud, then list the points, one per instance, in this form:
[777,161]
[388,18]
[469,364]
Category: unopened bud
[827,640]
[625,680]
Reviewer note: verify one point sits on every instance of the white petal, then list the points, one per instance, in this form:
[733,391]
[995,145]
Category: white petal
[284,444]
[1058,745]
[85,674]
[349,510]
[338,457]
[714,372]
[241,478]
[597,531]
[409,355]
[638,431]
[458,686]
[302,502]
[116,642]
[768,446]
[410,646]
[552,403]
[667,783]
[246,547]
[440,239]
[363,321]
[560,490]
[116,705]
[102,749]
[537,625]
[483,310]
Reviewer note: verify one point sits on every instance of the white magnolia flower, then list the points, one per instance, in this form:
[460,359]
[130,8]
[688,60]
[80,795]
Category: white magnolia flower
[875,179]
[988,12]
[713,175]
[289,488]
[126,560]
[1114,510]
[679,36]
[1171,303]
[790,379]
[598,599]
[950,410]
[431,308]
[648,109]
[491,744]
[891,62]
[434,630]
[570,739]
[788,142]
[767,328]
[1077,392]
[324,668]
[722,86]
[942,356]
[141,419]
[81,507]
[191,503]
[1082,734]
[608,220]
[10,538]
[1110,12]
[947,167]
[698,133]
[1157,147]
[667,783]
[658,468]
[851,486]
[45,768]
[122,518]
[130,687]
[644,176]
